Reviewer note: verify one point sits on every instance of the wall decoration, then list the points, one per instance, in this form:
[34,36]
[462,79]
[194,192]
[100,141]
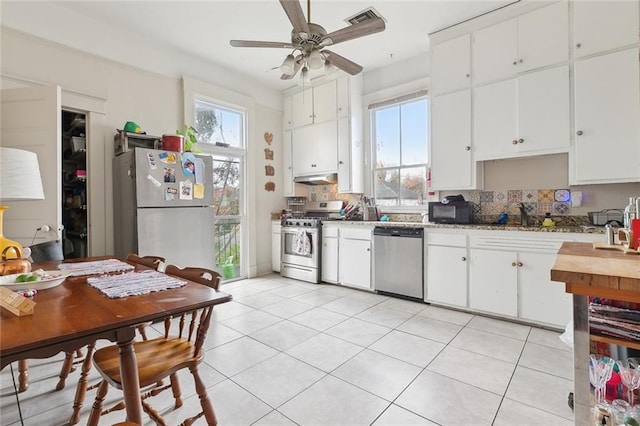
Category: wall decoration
[188,164]
[268,154]
[269,170]
[186,190]
[169,174]
[268,138]
[270,186]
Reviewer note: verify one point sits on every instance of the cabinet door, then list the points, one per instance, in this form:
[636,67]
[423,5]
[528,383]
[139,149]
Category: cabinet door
[543,112]
[543,37]
[603,25]
[325,102]
[451,142]
[343,95]
[451,65]
[495,52]
[287,119]
[344,156]
[330,259]
[275,247]
[355,263]
[315,149]
[540,299]
[493,281]
[302,108]
[447,275]
[607,119]
[288,187]
[495,120]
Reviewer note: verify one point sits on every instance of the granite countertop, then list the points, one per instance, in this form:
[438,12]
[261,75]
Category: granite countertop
[576,229]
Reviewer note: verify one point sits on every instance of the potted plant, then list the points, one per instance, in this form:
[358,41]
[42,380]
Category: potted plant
[190,138]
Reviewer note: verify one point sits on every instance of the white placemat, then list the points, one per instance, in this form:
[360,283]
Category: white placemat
[95,267]
[134,283]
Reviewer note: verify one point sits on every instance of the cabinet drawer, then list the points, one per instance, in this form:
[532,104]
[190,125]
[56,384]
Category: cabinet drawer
[452,240]
[330,231]
[354,233]
[527,244]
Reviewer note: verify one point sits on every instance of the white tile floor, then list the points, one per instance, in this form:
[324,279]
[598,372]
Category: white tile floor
[286,352]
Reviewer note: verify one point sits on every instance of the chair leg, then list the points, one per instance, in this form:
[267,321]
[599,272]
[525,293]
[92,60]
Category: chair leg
[81,387]
[175,388]
[23,377]
[67,366]
[205,402]
[96,410]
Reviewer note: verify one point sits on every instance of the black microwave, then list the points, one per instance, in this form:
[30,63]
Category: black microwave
[460,212]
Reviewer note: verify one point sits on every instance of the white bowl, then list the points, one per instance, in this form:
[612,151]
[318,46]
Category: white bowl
[57,277]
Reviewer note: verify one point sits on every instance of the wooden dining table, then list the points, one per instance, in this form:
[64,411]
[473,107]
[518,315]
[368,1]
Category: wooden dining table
[74,314]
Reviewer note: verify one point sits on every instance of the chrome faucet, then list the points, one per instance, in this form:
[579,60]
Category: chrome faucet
[524,217]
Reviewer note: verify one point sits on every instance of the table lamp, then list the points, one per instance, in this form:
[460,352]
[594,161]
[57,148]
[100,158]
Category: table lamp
[19,180]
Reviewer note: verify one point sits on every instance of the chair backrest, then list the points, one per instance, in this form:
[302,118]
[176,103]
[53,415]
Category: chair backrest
[199,275]
[154,262]
[200,320]
[49,250]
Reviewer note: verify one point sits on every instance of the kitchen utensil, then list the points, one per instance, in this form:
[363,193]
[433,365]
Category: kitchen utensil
[51,279]
[173,143]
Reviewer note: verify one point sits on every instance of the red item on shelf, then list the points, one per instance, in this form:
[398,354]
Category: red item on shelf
[635,232]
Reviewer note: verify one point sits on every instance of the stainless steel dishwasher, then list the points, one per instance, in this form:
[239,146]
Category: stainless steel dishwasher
[398,258]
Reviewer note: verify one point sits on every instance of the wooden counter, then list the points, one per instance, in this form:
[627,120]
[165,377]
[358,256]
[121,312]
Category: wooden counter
[593,272]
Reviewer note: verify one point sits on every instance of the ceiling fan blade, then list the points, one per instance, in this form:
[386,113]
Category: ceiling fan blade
[351,32]
[341,62]
[295,14]
[252,43]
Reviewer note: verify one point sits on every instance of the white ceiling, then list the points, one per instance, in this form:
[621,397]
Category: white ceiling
[204,28]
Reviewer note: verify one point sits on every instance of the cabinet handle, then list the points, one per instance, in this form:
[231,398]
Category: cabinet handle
[463,259]
[578,45]
[520,61]
[467,75]
[368,249]
[340,162]
[514,142]
[467,148]
[513,263]
[515,62]
[520,264]
[313,165]
[520,140]
[579,133]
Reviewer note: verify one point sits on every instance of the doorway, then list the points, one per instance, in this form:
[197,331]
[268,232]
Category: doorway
[75,234]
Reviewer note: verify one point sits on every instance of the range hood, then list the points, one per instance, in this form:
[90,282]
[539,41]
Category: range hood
[325,179]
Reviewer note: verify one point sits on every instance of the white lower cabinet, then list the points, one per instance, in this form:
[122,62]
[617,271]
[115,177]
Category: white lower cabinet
[493,281]
[446,263]
[330,254]
[539,299]
[275,246]
[354,264]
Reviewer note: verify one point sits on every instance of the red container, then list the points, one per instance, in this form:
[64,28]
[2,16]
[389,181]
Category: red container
[173,143]
[635,231]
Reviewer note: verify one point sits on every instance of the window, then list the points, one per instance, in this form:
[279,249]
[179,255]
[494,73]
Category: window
[400,150]
[219,125]
[221,133]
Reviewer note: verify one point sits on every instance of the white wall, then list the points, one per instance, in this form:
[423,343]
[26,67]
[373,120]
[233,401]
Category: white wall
[152,100]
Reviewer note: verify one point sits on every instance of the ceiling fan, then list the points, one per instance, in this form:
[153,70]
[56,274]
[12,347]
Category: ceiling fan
[309,40]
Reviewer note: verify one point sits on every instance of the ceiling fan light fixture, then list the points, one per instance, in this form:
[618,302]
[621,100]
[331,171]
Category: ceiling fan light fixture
[315,60]
[288,65]
[306,78]
[329,68]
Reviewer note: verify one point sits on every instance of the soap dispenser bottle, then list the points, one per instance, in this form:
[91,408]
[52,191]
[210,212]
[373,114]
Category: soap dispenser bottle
[630,213]
[547,220]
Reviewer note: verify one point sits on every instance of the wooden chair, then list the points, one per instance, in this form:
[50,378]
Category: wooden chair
[154,262]
[163,357]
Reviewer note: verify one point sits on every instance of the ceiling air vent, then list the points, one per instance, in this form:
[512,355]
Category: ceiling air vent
[368,13]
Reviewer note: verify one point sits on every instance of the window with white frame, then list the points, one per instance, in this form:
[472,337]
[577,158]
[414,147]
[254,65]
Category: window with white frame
[400,141]
[219,125]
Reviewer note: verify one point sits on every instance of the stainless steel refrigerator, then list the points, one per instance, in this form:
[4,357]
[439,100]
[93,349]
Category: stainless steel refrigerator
[163,206]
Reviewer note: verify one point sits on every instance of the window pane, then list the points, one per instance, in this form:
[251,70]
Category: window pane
[226,186]
[387,136]
[414,132]
[227,240]
[387,187]
[218,124]
[413,186]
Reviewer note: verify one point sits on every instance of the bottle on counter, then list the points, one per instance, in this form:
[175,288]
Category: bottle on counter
[630,213]
[548,221]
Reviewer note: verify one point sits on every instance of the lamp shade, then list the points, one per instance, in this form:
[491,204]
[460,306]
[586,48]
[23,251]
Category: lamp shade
[315,60]
[19,175]
[288,65]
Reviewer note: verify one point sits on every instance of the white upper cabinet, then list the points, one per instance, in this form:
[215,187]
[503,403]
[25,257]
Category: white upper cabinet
[287,120]
[452,165]
[302,108]
[495,52]
[599,26]
[451,65]
[288,186]
[527,115]
[325,102]
[315,149]
[312,105]
[532,40]
[607,118]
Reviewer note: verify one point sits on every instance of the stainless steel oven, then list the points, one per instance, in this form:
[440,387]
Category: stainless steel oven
[301,244]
